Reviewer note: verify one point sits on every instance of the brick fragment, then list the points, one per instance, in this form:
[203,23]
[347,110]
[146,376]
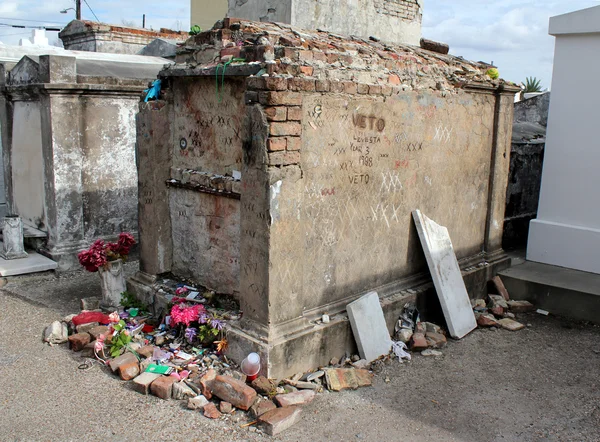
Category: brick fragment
[211,412]
[297,398]
[394,79]
[520,306]
[497,282]
[78,341]
[276,144]
[142,383]
[233,391]
[273,98]
[206,382]
[264,386]
[197,403]
[182,391]
[225,407]
[126,358]
[418,342]
[277,421]
[261,407]
[436,340]
[85,328]
[97,331]
[279,129]
[129,371]
[509,324]
[147,351]
[347,378]
[163,387]
[486,321]
[307,70]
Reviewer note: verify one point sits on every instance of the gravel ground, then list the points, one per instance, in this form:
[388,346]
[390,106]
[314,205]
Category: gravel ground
[542,383]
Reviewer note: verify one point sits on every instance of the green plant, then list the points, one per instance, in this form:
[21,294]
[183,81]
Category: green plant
[532,84]
[493,73]
[195,30]
[120,340]
[207,333]
[128,300]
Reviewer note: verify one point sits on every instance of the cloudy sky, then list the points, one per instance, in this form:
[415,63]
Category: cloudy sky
[511,33]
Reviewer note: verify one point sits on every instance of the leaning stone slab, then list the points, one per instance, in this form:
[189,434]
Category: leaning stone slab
[237,393]
[339,379]
[446,275]
[369,328]
[509,324]
[497,281]
[277,421]
[142,383]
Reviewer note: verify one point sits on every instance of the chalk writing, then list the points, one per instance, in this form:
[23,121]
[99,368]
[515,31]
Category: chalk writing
[443,134]
[390,182]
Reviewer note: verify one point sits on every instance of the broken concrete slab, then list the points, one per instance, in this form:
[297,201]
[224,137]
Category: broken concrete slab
[446,275]
[339,379]
[276,421]
[369,328]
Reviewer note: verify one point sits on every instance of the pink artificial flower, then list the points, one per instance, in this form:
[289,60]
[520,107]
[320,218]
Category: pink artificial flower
[114,317]
[184,314]
[126,332]
[181,291]
[99,345]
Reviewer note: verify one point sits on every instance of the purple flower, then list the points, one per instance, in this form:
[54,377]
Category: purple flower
[217,323]
[190,334]
[203,318]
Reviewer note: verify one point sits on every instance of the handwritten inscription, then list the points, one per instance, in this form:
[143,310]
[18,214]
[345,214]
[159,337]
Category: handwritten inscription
[413,147]
[370,122]
[359,178]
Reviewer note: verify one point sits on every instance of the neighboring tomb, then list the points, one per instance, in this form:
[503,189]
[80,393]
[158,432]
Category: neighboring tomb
[336,141]
[68,142]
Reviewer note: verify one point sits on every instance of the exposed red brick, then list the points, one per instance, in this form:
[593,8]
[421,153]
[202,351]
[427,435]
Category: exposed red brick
[233,391]
[276,144]
[163,387]
[278,420]
[486,321]
[319,56]
[332,57]
[276,113]
[261,407]
[305,55]
[497,311]
[297,398]
[418,342]
[279,129]
[256,83]
[294,113]
[294,143]
[206,383]
[233,52]
[394,79]
[276,83]
[78,341]
[283,158]
[436,340]
[350,87]
[288,41]
[322,85]
[347,378]
[497,281]
[302,84]
[280,98]
[307,70]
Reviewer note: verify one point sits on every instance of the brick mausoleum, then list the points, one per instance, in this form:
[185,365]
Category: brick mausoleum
[288,179]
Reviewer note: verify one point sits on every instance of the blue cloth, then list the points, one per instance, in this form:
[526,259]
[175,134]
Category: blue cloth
[153,92]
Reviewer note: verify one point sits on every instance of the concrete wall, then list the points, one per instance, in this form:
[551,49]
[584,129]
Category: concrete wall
[28,166]
[533,110]
[397,21]
[567,230]
[205,13]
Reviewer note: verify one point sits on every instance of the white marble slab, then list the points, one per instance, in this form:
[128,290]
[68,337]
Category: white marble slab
[446,275]
[368,325]
[32,264]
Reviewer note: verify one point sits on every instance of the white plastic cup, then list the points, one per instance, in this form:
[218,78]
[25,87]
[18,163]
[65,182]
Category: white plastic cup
[251,366]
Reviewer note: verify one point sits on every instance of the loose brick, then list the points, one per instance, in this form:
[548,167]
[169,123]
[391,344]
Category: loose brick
[486,321]
[147,351]
[347,378]
[142,383]
[126,358]
[261,407]
[78,341]
[129,371]
[206,382]
[225,407]
[436,340]
[276,113]
[297,398]
[276,421]
[276,83]
[97,331]
[279,129]
[294,143]
[233,391]
[283,158]
[85,328]
[163,387]
[197,403]
[520,306]
[275,144]
[211,412]
[322,85]
[182,391]
[500,287]
[273,98]
[418,342]
[264,386]
[294,113]
[509,324]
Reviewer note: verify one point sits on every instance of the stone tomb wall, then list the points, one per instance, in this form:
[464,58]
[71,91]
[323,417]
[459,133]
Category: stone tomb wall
[206,150]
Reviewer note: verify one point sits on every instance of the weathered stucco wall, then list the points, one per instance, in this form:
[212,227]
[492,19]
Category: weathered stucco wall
[28,166]
[207,144]
[346,226]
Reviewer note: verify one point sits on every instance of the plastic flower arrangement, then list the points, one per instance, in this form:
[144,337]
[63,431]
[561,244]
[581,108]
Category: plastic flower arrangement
[199,324]
[100,253]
